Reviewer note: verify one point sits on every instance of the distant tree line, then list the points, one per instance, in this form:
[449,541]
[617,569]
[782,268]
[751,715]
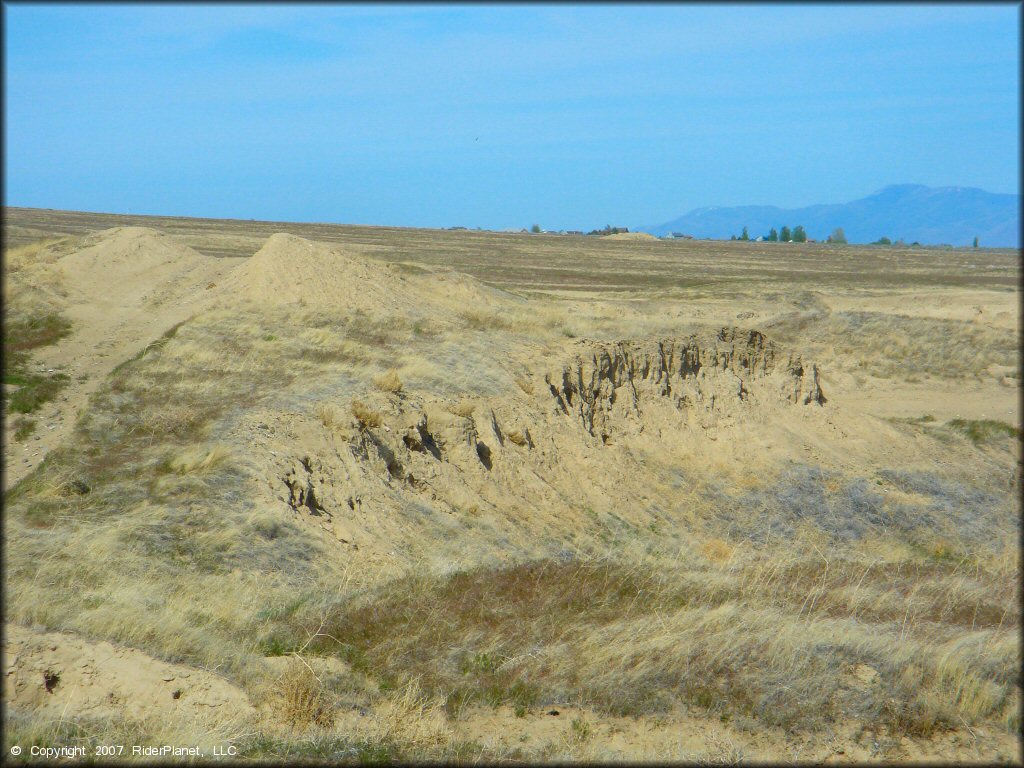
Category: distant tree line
[609,230]
[796,235]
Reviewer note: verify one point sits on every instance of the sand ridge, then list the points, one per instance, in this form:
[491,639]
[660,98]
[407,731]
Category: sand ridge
[122,289]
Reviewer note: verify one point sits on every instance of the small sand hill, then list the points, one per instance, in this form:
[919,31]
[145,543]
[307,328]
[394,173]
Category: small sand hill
[629,236]
[293,270]
[133,265]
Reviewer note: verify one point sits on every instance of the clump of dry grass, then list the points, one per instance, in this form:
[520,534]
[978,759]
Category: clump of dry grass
[516,437]
[301,699]
[365,415]
[199,459]
[389,382]
[717,551]
[463,408]
[479,320]
[330,416]
[411,717]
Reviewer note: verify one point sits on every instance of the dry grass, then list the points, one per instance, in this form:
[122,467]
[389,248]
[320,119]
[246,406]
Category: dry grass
[760,641]
[365,415]
[463,408]
[479,320]
[412,718]
[517,437]
[896,346]
[389,382]
[199,459]
[332,418]
[301,700]
[717,551]
[985,430]
[28,730]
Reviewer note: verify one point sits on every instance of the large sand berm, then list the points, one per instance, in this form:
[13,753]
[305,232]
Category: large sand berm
[134,265]
[290,270]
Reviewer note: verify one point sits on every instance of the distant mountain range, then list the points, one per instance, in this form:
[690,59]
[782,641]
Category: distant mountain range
[911,212]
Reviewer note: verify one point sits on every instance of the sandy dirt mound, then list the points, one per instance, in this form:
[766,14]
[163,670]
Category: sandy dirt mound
[629,236]
[292,270]
[134,265]
[64,676]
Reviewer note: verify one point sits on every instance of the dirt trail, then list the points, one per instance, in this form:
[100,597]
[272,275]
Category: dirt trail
[125,291]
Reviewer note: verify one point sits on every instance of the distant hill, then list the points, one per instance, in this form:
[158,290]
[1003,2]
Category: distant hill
[912,212]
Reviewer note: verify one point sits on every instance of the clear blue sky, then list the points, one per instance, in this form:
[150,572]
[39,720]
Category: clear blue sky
[502,116]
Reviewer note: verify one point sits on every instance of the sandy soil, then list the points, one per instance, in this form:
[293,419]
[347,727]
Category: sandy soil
[130,287]
[63,675]
[566,418]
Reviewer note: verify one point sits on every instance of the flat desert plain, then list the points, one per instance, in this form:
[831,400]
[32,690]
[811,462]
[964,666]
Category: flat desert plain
[363,493]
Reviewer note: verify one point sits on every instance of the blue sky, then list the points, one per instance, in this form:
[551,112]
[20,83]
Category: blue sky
[570,116]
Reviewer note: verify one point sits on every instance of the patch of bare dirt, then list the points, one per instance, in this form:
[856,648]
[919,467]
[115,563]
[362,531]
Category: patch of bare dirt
[60,675]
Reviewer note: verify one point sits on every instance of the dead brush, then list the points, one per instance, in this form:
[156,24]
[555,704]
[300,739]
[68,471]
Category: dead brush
[516,437]
[365,415]
[485,321]
[411,717]
[329,416]
[389,382]
[301,699]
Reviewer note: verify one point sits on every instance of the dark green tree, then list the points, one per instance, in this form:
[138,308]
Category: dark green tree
[773,236]
[882,241]
[837,236]
[785,235]
[535,229]
[745,235]
[975,242]
[799,236]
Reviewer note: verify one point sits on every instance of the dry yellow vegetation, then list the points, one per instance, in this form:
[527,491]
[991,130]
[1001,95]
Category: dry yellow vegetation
[408,514]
